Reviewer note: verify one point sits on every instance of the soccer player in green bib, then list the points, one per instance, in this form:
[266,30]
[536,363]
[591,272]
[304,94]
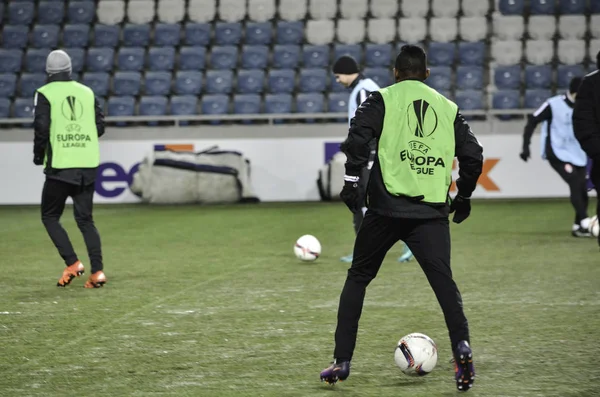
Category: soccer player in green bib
[419,132]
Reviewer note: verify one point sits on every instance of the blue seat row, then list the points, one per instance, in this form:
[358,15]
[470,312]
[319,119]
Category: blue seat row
[24,12]
[536,76]
[548,7]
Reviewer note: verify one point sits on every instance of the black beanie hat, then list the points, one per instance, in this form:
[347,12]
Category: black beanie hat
[345,65]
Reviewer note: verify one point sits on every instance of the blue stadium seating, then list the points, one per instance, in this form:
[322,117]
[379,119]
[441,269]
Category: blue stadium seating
[382,76]
[290,32]
[166,34]
[223,57]
[471,53]
[50,12]
[281,80]
[250,81]
[564,74]
[10,60]
[161,58]
[30,82]
[35,60]
[81,11]
[337,102]
[228,33]
[255,56]
[469,77]
[538,76]
[215,104]
[100,59]
[286,56]
[45,36]
[315,56]
[8,85]
[20,12]
[353,50]
[126,83]
[534,98]
[15,36]
[511,7]
[506,99]
[97,81]
[539,7]
[23,108]
[192,58]
[219,81]
[258,33]
[441,54]
[184,105]
[572,6]
[130,58]
[378,55]
[507,77]
[440,77]
[188,82]
[1,11]
[158,83]
[120,106]
[4,102]
[310,103]
[76,36]
[313,80]
[595,6]
[136,35]
[106,35]
[246,104]
[197,34]
[469,99]
[278,103]
[77,58]
[153,106]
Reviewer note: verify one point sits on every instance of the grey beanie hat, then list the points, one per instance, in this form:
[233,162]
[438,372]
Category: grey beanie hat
[58,61]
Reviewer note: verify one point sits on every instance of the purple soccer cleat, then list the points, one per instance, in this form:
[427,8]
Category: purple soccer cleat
[335,372]
[464,371]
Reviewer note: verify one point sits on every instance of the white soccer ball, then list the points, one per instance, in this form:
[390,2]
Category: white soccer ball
[416,354]
[307,248]
[595,226]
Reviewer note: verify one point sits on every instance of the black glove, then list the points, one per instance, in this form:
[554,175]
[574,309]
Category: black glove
[38,160]
[525,154]
[350,195]
[462,206]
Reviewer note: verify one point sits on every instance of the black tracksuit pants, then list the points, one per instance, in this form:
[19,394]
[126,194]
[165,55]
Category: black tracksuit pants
[54,197]
[429,240]
[595,177]
[575,177]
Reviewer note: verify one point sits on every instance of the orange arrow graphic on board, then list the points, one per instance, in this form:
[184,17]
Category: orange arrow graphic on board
[484,179]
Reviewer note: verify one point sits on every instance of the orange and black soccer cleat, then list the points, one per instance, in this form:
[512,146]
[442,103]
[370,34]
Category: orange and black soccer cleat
[96,280]
[70,272]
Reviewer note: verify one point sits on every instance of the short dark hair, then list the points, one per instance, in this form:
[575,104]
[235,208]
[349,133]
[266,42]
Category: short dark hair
[411,61]
[574,85]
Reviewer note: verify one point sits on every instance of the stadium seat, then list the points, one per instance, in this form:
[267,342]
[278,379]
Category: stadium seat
[97,81]
[14,36]
[289,32]
[384,8]
[310,103]
[130,59]
[120,106]
[542,7]
[155,105]
[440,78]
[250,81]
[571,52]
[106,35]
[412,29]
[508,27]
[313,80]
[539,52]
[506,52]
[348,31]
[75,36]
[223,57]
[215,104]
[157,83]
[170,11]
[23,108]
[255,56]
[166,34]
[161,58]
[572,6]
[232,10]
[475,8]
[140,12]
[469,77]
[595,6]
[320,32]
[572,27]
[381,30]
[286,56]
[381,76]
[281,81]
[469,99]
[443,29]
[535,98]
[441,54]
[8,85]
[246,104]
[219,81]
[188,82]
[192,58]
[77,58]
[471,53]
[564,74]
[110,12]
[45,36]
[261,10]
[100,59]
[126,83]
[35,60]
[595,25]
[183,105]
[378,55]
[472,28]
[353,9]
[507,77]
[81,12]
[50,12]
[228,33]
[4,102]
[337,102]
[541,27]
[135,35]
[353,50]
[415,9]
[20,12]
[292,10]
[538,76]
[315,56]
[445,8]
[511,7]
[322,9]
[197,34]
[594,48]
[202,11]
[10,60]
[506,99]
[258,33]
[278,103]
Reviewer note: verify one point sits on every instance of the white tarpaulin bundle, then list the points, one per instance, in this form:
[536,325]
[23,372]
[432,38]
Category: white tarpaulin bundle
[331,178]
[209,177]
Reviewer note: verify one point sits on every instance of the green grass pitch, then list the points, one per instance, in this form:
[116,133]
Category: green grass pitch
[210,301]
